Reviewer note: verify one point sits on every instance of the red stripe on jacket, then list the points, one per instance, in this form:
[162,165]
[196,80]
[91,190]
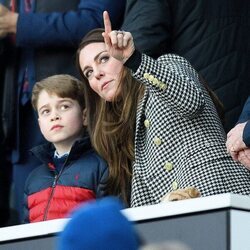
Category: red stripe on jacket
[59,205]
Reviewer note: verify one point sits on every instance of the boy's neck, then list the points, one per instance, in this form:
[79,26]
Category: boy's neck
[57,155]
[65,146]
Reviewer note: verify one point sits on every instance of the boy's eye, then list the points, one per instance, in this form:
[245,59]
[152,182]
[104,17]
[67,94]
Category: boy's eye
[44,112]
[64,107]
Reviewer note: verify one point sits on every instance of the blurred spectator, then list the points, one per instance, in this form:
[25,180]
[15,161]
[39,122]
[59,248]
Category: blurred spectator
[46,34]
[238,138]
[99,225]
[213,35]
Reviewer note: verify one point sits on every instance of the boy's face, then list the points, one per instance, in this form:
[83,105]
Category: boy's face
[60,119]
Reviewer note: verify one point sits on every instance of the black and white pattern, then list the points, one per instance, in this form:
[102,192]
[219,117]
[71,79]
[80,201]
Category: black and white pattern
[177,126]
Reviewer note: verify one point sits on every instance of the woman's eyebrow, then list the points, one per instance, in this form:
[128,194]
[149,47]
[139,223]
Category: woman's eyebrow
[95,59]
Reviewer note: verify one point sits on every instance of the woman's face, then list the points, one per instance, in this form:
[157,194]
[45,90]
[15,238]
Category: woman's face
[101,70]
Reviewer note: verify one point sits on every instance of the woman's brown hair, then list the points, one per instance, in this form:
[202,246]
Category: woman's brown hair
[111,125]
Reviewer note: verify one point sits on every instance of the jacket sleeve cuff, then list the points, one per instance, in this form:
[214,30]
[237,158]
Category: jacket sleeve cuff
[246,134]
[24,22]
[134,61]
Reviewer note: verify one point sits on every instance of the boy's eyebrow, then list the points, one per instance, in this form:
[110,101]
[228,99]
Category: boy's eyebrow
[42,107]
[95,58]
[65,99]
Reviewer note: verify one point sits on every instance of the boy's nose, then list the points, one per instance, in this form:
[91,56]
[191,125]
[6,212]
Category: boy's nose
[55,117]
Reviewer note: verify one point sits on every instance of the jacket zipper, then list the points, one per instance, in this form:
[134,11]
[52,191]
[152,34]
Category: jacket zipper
[56,177]
[50,197]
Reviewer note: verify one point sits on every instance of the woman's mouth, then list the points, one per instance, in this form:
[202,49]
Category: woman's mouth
[105,84]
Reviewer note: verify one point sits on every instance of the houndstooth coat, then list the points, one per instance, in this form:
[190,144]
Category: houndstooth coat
[179,139]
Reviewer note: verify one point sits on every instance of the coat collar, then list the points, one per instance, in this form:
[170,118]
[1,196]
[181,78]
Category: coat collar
[45,152]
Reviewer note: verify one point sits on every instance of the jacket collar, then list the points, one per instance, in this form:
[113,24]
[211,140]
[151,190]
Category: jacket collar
[45,152]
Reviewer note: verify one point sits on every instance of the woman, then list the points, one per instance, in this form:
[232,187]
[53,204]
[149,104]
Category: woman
[153,121]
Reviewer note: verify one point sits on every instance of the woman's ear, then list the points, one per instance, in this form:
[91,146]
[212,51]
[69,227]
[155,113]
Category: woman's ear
[84,117]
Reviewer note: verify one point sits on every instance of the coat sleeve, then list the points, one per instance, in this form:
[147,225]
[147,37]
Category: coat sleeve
[173,79]
[246,134]
[245,116]
[66,29]
[150,24]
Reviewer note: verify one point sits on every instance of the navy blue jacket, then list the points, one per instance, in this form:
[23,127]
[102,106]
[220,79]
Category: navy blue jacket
[245,117]
[51,193]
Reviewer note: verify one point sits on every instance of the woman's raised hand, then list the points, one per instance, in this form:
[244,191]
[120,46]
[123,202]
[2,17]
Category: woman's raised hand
[119,44]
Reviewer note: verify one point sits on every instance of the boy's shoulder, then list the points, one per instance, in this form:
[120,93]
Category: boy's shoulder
[35,175]
[82,150]
[91,158]
[43,152]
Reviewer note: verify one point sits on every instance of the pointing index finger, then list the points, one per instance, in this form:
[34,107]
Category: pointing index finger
[107,23]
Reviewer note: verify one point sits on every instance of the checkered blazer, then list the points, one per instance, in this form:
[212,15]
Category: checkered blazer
[179,139]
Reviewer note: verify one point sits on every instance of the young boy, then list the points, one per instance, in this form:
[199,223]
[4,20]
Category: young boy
[71,172]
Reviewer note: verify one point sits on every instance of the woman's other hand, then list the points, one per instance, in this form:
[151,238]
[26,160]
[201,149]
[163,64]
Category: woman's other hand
[181,194]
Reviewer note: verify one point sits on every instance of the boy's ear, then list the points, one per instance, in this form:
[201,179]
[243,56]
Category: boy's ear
[38,121]
[84,118]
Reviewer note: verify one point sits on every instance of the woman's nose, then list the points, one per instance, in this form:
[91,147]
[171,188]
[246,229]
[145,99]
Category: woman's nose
[98,73]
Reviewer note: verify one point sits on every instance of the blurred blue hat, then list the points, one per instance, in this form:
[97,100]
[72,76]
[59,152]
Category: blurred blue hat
[99,225]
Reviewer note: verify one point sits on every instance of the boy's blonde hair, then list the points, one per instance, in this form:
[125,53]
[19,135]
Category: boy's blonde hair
[62,86]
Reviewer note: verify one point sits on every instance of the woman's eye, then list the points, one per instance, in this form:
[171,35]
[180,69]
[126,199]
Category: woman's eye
[104,59]
[88,73]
